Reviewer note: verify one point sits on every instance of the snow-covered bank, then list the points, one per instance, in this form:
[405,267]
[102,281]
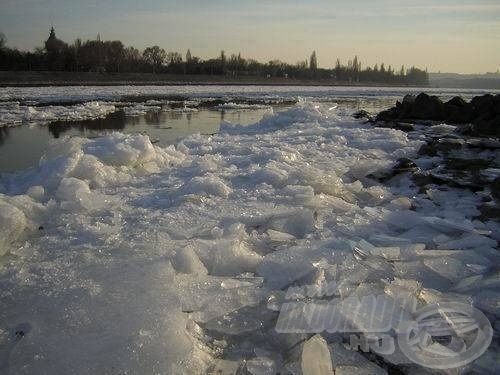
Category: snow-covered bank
[124,257]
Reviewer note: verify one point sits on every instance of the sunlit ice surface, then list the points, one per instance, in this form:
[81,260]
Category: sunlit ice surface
[120,254]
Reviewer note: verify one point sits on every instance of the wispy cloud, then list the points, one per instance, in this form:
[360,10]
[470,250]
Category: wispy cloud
[452,8]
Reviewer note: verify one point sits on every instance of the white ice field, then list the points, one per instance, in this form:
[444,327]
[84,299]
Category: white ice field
[121,257]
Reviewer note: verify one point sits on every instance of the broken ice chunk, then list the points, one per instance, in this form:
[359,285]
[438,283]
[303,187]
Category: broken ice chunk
[448,226]
[275,300]
[73,192]
[208,297]
[399,286]
[468,283]
[283,267]
[277,238]
[12,224]
[338,204]
[234,258]
[300,194]
[272,174]
[243,321]
[436,253]
[385,240]
[351,362]
[187,261]
[71,189]
[225,367]
[404,219]
[469,242]
[298,223]
[418,271]
[473,261]
[242,282]
[422,234]
[402,203]
[36,192]
[374,312]
[378,194]
[354,271]
[261,366]
[227,257]
[208,185]
[432,296]
[316,357]
[389,253]
[448,267]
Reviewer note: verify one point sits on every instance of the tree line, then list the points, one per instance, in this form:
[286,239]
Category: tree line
[114,56]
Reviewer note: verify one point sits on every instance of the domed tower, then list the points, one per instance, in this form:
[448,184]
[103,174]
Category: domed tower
[55,51]
[52,33]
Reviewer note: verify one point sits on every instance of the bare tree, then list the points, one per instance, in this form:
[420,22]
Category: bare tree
[313,65]
[154,56]
[313,62]
[223,62]
[174,58]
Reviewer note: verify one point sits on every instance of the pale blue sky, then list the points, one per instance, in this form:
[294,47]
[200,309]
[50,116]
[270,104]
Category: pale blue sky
[447,35]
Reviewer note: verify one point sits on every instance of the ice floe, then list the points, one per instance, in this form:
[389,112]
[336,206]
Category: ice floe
[17,114]
[237,106]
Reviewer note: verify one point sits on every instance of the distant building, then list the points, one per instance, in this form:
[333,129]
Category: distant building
[55,51]
[53,44]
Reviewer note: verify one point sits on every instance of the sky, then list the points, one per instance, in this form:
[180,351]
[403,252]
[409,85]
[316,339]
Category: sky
[459,36]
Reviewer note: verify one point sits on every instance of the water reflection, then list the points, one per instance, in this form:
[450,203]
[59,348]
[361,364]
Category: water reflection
[21,147]
[4,134]
[114,121]
[153,118]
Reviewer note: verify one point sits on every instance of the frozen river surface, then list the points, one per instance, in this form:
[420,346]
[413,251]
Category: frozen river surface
[155,239]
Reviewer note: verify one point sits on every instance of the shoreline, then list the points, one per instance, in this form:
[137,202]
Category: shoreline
[46,79]
[168,83]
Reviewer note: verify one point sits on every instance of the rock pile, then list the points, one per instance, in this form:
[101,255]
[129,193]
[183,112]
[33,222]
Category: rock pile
[482,112]
[456,157]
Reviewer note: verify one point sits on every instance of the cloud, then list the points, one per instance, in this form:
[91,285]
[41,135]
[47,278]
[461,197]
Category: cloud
[452,8]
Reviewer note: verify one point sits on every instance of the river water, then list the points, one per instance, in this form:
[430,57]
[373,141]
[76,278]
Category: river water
[31,117]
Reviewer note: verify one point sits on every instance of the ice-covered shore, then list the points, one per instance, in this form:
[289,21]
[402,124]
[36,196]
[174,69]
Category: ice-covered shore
[123,257]
[27,105]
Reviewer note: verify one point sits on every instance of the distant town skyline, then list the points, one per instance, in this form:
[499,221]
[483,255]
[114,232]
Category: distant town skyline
[456,36]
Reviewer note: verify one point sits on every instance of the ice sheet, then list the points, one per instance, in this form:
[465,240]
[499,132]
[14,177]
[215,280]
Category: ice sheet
[125,256]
